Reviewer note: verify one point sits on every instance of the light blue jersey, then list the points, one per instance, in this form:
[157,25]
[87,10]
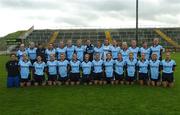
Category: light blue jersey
[115,50]
[156,49]
[167,66]
[69,52]
[125,54]
[97,66]
[154,69]
[50,52]
[106,49]
[60,51]
[24,69]
[80,52]
[86,67]
[119,66]
[63,68]
[109,64]
[52,67]
[75,66]
[134,51]
[32,53]
[20,53]
[99,50]
[143,66]
[131,67]
[39,68]
[146,52]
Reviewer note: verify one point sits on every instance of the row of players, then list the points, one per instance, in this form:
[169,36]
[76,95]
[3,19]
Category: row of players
[118,71]
[81,50]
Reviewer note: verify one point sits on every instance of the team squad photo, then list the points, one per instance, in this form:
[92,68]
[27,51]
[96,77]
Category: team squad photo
[91,64]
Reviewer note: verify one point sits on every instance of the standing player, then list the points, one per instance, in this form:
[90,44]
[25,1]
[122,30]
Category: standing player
[97,69]
[155,70]
[13,72]
[41,52]
[52,70]
[89,49]
[21,51]
[75,70]
[143,67]
[134,49]
[31,51]
[39,69]
[115,49]
[63,66]
[125,51]
[25,68]
[61,49]
[69,50]
[98,49]
[108,68]
[119,69]
[145,50]
[86,66]
[50,51]
[168,68]
[106,48]
[156,48]
[131,69]
[79,49]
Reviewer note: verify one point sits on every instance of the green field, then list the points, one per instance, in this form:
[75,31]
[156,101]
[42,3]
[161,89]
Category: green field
[88,100]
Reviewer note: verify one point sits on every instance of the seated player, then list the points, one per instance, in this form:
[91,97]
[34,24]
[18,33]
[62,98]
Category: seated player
[108,69]
[86,66]
[97,69]
[130,69]
[63,66]
[155,70]
[143,67]
[168,68]
[52,70]
[39,69]
[119,69]
[75,70]
[25,68]
[12,71]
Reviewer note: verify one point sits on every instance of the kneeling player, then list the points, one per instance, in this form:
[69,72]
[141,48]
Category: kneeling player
[130,69]
[108,66]
[168,67]
[86,71]
[25,67]
[75,73]
[97,69]
[155,70]
[63,66]
[52,70]
[39,67]
[143,66]
[119,69]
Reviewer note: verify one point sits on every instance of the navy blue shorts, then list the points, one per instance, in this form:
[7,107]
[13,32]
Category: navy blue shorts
[39,78]
[169,77]
[12,81]
[63,79]
[130,79]
[52,77]
[109,79]
[156,80]
[86,78]
[97,76]
[143,76]
[74,77]
[118,77]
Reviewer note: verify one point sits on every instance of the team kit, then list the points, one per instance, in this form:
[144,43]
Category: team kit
[100,64]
